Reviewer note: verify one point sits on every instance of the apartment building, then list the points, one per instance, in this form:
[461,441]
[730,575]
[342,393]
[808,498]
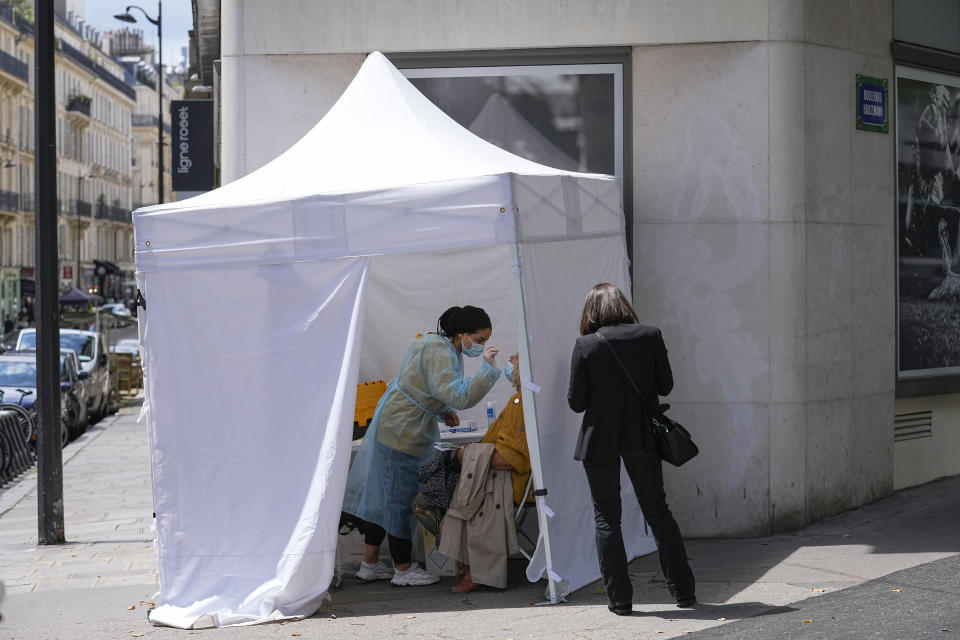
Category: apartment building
[94,129]
[130,50]
[107,158]
[16,161]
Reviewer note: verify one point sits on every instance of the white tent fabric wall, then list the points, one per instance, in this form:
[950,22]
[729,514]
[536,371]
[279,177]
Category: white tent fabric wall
[407,292]
[250,413]
[571,236]
[277,274]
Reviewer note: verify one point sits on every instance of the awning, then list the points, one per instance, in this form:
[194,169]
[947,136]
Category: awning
[77,296]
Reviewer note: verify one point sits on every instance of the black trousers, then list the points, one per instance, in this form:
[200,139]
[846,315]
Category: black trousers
[400,550]
[646,475]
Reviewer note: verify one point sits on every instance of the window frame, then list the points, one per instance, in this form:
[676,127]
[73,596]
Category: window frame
[915,58]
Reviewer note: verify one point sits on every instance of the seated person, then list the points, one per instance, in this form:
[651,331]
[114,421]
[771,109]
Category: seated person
[478,528]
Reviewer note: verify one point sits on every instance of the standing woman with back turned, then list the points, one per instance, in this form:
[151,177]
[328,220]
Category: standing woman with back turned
[430,386]
[614,428]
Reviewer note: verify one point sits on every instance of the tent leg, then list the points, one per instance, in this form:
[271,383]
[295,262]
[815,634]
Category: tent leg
[547,603]
[552,586]
[530,424]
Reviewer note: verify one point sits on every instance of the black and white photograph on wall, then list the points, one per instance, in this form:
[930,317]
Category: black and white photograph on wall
[564,116]
[928,223]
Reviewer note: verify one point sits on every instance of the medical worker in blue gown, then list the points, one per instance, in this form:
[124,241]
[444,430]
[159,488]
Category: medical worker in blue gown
[430,387]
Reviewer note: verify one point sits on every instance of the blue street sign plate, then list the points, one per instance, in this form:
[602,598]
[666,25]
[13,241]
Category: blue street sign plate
[872,104]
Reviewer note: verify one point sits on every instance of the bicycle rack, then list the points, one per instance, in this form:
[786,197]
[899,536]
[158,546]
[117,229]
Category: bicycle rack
[16,454]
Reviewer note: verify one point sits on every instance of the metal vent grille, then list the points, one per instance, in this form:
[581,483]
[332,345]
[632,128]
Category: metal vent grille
[912,425]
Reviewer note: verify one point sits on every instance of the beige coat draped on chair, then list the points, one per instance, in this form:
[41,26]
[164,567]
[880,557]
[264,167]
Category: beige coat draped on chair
[478,528]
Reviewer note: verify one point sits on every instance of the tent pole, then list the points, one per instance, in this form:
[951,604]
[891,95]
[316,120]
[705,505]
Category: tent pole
[530,420]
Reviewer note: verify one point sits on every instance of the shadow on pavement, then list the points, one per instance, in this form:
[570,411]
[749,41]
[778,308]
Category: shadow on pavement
[733,575]
[733,611]
[920,602]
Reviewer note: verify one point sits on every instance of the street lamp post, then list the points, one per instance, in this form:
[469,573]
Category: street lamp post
[127,17]
[49,454]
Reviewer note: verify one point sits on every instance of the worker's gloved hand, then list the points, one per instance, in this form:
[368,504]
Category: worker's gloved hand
[490,355]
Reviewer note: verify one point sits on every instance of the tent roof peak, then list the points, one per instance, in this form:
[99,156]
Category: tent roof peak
[381,133]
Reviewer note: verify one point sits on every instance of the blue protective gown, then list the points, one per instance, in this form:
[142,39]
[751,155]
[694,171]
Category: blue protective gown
[382,482]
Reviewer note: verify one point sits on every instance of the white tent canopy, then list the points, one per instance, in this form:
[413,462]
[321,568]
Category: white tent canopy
[269,298]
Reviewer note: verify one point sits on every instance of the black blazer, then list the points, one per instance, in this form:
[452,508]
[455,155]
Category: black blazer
[613,422]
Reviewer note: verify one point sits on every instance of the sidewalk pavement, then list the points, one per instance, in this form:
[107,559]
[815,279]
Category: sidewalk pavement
[101,582]
[916,603]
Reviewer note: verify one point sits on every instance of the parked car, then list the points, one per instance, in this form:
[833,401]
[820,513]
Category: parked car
[117,309]
[18,381]
[127,345]
[76,396]
[85,387]
[93,359]
[80,388]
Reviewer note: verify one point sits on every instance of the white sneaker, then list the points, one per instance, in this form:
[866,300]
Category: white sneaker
[414,576]
[370,572]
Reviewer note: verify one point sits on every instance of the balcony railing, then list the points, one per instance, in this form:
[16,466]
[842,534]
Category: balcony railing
[102,211]
[146,120]
[14,67]
[24,26]
[8,15]
[119,214]
[143,120]
[80,104]
[82,208]
[8,200]
[77,56]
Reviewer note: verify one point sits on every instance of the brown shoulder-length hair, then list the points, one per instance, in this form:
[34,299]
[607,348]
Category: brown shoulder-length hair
[605,305]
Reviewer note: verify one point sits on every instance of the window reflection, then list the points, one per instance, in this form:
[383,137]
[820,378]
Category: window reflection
[563,120]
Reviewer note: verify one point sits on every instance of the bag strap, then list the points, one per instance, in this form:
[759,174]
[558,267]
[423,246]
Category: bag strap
[623,367]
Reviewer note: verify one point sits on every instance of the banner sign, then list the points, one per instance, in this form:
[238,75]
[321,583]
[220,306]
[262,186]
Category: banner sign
[192,148]
[928,224]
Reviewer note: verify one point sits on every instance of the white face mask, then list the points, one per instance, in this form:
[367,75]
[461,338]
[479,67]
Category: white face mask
[473,350]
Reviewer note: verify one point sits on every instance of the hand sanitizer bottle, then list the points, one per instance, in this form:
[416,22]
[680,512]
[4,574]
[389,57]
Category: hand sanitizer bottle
[491,414]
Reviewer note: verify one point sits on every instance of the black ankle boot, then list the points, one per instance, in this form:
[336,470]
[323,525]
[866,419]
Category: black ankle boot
[686,601]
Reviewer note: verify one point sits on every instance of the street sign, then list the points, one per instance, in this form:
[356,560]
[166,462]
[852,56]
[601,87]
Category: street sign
[68,273]
[872,104]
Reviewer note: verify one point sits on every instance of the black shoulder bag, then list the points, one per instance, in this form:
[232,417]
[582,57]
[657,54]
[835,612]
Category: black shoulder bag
[674,442]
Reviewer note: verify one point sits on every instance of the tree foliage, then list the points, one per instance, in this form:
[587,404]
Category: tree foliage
[22,8]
